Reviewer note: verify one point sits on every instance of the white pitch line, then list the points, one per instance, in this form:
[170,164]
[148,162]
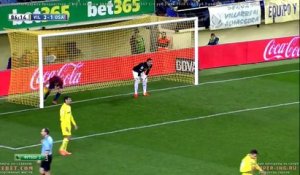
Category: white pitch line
[161,124]
[250,77]
[7,147]
[154,90]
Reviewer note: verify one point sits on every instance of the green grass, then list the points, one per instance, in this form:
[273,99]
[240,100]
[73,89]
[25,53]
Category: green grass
[204,146]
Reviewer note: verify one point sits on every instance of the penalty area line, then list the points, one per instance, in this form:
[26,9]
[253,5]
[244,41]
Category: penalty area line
[154,90]
[160,124]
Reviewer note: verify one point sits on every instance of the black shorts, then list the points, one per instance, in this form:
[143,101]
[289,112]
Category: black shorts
[46,164]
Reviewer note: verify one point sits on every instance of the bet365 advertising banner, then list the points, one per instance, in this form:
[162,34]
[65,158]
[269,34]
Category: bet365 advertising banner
[235,15]
[81,11]
[277,11]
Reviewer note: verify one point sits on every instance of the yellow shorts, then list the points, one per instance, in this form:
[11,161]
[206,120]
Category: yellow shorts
[66,131]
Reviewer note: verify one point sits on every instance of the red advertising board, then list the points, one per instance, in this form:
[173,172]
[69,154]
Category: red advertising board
[4,82]
[249,52]
[96,70]
[273,50]
[119,68]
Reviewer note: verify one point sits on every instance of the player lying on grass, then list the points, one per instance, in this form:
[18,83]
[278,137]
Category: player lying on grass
[66,119]
[140,72]
[55,83]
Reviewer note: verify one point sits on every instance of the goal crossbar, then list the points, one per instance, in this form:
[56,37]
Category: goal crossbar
[121,27]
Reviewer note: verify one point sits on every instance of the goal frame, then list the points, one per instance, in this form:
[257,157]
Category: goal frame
[40,47]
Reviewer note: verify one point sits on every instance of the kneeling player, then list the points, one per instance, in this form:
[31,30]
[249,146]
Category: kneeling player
[54,83]
[141,71]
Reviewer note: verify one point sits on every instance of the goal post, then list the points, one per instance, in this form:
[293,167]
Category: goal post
[103,56]
[41,79]
[196,42]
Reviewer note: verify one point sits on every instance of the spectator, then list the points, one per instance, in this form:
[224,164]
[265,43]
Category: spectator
[194,3]
[163,42]
[25,59]
[160,8]
[51,53]
[9,63]
[173,3]
[171,8]
[170,11]
[217,2]
[226,1]
[184,4]
[72,50]
[213,39]
[7,1]
[23,1]
[210,2]
[137,43]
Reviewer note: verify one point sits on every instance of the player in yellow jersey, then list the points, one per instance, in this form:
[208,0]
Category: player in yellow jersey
[66,119]
[249,164]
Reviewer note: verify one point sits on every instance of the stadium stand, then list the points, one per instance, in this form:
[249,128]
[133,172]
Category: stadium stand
[191,8]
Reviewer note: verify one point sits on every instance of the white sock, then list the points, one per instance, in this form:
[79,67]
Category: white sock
[145,86]
[136,86]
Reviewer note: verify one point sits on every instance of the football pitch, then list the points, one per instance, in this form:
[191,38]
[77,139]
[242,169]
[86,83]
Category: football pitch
[178,130]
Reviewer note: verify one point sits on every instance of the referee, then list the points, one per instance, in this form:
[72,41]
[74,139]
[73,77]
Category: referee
[47,145]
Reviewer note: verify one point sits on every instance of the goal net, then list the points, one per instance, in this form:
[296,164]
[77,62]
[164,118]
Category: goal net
[103,56]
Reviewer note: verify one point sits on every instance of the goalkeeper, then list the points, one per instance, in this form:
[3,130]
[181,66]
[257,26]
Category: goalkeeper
[55,82]
[141,71]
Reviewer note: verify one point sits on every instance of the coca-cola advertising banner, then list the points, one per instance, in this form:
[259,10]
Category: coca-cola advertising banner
[165,62]
[249,52]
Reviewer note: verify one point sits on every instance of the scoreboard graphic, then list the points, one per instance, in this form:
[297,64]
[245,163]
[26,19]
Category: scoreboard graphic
[38,17]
